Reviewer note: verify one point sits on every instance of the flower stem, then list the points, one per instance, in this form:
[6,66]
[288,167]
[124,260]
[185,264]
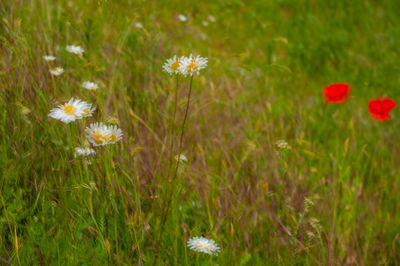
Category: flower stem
[183,127]
[165,213]
[171,152]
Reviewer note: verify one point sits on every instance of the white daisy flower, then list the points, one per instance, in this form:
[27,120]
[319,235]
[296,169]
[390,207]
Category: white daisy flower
[181,158]
[49,58]
[56,71]
[205,23]
[204,245]
[90,85]
[75,49]
[99,134]
[192,65]
[138,25]
[172,65]
[182,18]
[84,152]
[72,110]
[211,18]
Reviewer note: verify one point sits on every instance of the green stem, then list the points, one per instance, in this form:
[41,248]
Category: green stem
[165,214]
[173,127]
[179,147]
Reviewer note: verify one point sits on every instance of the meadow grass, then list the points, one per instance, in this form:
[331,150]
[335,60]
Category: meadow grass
[332,199]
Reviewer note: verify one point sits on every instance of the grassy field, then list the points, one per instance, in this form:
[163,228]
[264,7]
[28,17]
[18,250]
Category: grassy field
[332,198]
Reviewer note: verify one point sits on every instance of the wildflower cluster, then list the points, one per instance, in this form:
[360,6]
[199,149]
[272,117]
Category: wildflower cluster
[98,134]
[378,108]
[185,65]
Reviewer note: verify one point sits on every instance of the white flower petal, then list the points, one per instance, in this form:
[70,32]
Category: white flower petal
[75,49]
[182,18]
[84,152]
[90,85]
[181,158]
[49,58]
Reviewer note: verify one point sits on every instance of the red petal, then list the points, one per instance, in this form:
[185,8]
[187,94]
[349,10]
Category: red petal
[335,99]
[375,107]
[335,93]
[380,117]
[388,104]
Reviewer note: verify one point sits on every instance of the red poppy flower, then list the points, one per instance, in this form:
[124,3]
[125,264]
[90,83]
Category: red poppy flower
[336,93]
[379,108]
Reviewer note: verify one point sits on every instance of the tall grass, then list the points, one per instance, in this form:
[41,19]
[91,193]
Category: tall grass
[331,199]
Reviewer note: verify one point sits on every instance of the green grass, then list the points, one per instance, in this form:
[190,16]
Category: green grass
[268,61]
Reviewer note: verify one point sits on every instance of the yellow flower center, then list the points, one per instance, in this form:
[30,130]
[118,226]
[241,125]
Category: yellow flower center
[192,67]
[175,65]
[86,112]
[110,137]
[70,110]
[200,245]
[55,70]
[98,137]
